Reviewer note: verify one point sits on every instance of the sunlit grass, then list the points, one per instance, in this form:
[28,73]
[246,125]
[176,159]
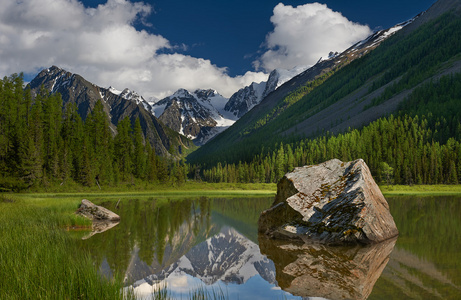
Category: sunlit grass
[38,258]
[141,186]
[421,189]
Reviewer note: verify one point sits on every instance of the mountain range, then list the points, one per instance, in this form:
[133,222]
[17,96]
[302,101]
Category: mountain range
[344,90]
[117,105]
[198,115]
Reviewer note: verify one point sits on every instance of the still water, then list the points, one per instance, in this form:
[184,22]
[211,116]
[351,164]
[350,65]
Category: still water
[213,244]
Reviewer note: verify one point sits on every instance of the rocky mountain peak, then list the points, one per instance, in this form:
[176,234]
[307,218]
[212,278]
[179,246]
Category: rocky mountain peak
[181,93]
[245,99]
[132,96]
[206,94]
[118,105]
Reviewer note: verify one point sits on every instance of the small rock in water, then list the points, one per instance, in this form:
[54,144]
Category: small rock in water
[331,203]
[96,212]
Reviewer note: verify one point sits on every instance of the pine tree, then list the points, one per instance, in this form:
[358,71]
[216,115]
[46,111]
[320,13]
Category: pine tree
[139,152]
[100,143]
[124,148]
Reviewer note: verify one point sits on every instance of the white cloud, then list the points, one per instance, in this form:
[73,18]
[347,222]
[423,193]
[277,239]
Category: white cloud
[102,45]
[305,33]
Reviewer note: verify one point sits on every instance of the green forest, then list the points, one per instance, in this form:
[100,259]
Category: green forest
[421,145]
[44,142]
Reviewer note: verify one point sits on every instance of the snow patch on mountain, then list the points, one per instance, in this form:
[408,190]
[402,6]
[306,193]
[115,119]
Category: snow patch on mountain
[245,99]
[114,91]
[200,114]
[381,35]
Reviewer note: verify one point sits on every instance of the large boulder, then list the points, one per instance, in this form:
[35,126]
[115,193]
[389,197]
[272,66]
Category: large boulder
[332,203]
[96,212]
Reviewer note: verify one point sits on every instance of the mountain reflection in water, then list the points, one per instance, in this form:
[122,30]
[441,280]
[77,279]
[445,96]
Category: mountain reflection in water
[227,258]
[190,244]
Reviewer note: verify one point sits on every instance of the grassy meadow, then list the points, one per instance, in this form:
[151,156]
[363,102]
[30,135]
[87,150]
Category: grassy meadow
[37,255]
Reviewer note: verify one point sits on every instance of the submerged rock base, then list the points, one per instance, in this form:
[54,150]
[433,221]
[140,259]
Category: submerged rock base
[331,203]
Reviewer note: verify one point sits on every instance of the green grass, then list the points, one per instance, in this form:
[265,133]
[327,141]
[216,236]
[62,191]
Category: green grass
[142,186]
[38,257]
[429,190]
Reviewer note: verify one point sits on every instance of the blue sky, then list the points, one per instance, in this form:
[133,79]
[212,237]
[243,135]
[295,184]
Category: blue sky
[156,47]
[230,33]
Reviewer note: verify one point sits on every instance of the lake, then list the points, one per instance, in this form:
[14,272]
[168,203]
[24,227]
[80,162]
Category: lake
[212,244]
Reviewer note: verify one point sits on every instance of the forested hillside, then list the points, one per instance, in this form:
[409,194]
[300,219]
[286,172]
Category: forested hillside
[44,143]
[367,89]
[421,145]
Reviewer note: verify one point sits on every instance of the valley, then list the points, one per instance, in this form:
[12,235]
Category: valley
[191,171]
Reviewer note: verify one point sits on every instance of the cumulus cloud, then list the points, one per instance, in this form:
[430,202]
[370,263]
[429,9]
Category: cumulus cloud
[103,45]
[305,33]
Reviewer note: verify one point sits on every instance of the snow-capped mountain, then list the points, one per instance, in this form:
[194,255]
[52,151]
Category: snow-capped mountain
[245,99]
[118,105]
[192,121]
[199,115]
[248,97]
[202,114]
[227,257]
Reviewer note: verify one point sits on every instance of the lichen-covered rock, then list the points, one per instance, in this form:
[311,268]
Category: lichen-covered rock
[332,203]
[96,212]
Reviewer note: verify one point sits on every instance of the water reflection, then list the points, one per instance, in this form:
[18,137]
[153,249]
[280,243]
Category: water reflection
[99,227]
[188,243]
[309,270]
[225,259]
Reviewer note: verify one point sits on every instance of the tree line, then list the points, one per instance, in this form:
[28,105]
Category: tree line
[421,145]
[44,142]
[398,150]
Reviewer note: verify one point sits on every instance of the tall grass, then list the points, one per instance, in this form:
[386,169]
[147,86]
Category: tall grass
[40,260]
[162,292]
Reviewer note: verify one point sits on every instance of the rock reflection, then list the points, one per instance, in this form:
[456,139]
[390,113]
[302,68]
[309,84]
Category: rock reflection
[314,270]
[99,227]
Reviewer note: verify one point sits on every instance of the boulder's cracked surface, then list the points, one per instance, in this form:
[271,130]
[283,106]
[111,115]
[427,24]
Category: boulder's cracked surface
[96,212]
[332,203]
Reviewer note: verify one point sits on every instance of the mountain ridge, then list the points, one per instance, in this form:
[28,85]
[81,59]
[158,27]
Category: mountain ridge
[75,89]
[277,102]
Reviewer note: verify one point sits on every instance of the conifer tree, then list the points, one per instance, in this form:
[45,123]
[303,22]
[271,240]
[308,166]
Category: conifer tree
[101,144]
[139,152]
[124,148]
